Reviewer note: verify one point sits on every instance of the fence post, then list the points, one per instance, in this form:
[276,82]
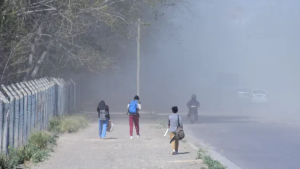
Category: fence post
[16,116]
[9,120]
[68,98]
[62,98]
[39,104]
[4,134]
[34,105]
[20,113]
[45,105]
[64,94]
[53,97]
[28,106]
[25,114]
[49,101]
[58,100]
[3,123]
[74,95]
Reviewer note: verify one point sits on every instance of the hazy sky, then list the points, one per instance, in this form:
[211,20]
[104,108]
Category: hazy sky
[184,50]
[257,40]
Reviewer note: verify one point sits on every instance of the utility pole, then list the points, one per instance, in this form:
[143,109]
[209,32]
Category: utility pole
[138,57]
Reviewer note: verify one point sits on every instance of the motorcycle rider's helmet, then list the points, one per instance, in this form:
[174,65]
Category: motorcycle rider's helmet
[193,96]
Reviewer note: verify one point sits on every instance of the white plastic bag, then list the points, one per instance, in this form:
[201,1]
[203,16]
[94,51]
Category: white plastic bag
[166,132]
[111,127]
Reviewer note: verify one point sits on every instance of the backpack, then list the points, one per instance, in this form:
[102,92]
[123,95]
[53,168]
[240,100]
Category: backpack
[132,109]
[102,114]
[179,134]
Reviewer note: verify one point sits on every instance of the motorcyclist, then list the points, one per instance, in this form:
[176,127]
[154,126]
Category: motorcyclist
[193,106]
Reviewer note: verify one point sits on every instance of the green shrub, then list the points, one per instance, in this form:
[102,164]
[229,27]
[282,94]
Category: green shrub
[40,156]
[208,161]
[68,124]
[11,160]
[54,124]
[41,140]
[212,164]
[37,149]
[40,144]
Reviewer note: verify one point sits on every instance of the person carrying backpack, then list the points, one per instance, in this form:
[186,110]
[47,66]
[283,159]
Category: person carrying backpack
[133,110]
[103,118]
[176,129]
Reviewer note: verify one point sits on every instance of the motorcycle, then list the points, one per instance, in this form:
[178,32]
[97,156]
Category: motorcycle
[193,114]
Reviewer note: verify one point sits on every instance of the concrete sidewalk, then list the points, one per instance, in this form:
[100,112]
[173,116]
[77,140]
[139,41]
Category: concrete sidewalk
[84,150]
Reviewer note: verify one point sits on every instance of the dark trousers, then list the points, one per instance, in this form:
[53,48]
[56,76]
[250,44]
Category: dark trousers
[193,110]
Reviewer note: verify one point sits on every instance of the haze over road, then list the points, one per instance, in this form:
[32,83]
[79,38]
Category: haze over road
[250,142]
[196,41]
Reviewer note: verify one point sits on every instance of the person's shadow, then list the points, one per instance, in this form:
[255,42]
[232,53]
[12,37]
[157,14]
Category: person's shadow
[183,152]
[111,138]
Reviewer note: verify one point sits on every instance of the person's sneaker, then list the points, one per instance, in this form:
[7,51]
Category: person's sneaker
[138,136]
[131,137]
[176,152]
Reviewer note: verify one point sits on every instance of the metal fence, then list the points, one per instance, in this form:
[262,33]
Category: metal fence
[26,107]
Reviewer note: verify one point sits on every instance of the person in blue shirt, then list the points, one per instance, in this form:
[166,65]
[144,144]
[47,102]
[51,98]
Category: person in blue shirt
[174,118]
[133,110]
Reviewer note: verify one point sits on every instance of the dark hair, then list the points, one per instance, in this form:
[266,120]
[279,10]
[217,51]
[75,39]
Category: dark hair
[136,97]
[174,109]
[102,105]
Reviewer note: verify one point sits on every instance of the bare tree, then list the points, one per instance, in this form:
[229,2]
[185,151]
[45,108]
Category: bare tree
[44,37]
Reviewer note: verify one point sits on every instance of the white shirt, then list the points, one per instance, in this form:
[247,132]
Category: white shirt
[139,106]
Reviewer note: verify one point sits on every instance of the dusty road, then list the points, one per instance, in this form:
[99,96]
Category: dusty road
[250,142]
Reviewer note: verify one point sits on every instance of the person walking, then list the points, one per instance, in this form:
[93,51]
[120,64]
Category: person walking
[133,110]
[174,118]
[103,118]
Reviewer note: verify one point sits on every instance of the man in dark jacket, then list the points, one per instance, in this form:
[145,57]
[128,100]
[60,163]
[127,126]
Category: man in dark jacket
[193,106]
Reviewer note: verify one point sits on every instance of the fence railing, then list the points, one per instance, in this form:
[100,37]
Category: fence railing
[26,107]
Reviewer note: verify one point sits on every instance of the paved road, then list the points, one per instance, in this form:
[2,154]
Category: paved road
[251,143]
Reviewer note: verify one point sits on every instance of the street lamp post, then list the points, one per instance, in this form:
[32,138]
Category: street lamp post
[138,57]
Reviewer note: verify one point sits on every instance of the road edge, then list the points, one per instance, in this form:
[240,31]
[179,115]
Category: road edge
[196,144]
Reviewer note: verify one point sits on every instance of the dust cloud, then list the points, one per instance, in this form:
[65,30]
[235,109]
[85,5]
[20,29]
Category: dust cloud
[211,48]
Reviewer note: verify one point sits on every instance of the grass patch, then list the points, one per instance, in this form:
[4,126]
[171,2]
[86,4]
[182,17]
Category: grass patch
[209,161]
[68,124]
[39,146]
[183,141]
[41,143]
